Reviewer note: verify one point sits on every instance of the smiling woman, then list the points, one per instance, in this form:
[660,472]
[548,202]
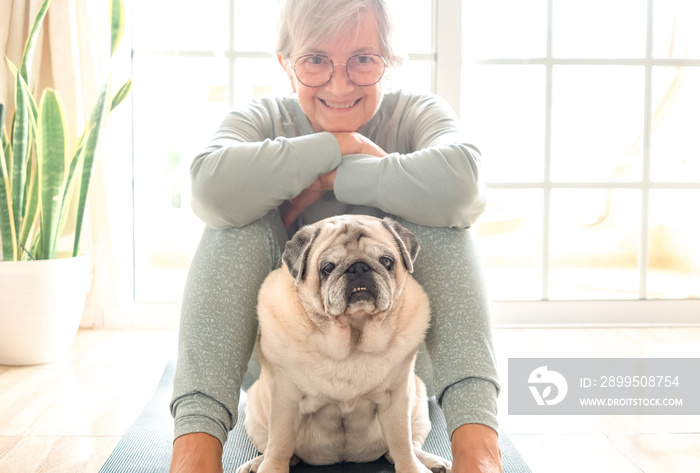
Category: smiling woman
[227,61]
[331,99]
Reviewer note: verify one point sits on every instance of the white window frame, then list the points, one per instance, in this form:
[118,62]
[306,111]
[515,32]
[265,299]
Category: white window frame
[447,78]
[639,312]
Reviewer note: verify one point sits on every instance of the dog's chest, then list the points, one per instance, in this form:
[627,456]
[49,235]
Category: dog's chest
[357,407]
[333,432]
[345,382]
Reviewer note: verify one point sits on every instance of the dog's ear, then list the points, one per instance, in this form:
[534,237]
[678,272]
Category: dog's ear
[296,251]
[405,240]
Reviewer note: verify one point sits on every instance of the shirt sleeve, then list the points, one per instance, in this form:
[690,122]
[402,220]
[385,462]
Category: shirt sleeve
[256,161]
[431,178]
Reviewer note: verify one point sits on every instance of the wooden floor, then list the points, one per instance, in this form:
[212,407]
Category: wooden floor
[69,416]
[597,444]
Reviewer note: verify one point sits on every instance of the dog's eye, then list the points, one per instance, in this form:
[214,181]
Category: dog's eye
[328,268]
[386,262]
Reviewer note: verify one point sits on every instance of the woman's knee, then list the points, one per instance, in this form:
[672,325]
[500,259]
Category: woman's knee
[258,244]
[447,246]
[448,257]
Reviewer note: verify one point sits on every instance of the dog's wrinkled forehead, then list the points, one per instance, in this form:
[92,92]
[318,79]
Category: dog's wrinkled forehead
[349,233]
[353,233]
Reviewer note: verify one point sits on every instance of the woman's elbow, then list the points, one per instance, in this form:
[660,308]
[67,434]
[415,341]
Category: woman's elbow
[207,207]
[213,204]
[465,204]
[471,189]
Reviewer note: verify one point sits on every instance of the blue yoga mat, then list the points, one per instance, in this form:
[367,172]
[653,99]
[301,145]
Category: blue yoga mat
[147,445]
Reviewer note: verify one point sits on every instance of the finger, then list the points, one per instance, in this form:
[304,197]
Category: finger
[299,204]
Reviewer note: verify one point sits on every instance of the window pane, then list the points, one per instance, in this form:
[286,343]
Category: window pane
[254,78]
[674,244]
[415,76]
[413,21]
[503,110]
[510,242]
[255,25]
[597,123]
[675,149]
[676,32]
[178,103]
[594,244]
[504,28]
[599,28]
[172,25]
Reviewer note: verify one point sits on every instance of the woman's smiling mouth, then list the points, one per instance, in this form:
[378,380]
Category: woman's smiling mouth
[340,106]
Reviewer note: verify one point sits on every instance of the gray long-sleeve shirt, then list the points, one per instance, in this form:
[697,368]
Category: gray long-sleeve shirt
[268,153]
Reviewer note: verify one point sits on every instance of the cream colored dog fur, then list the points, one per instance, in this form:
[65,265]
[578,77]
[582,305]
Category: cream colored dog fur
[340,325]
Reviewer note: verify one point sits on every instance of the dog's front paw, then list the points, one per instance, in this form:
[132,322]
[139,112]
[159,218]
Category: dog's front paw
[270,466]
[411,467]
[442,468]
[252,466]
[434,463]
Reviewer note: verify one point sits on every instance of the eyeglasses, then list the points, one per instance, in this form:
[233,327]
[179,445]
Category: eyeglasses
[316,70]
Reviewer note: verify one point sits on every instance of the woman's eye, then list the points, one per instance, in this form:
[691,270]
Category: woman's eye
[314,60]
[328,268]
[364,59]
[386,262]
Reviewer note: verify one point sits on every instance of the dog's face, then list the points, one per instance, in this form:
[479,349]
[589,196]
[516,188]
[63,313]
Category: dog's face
[350,265]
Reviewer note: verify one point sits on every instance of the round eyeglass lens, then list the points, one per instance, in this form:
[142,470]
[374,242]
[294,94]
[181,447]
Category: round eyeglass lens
[365,69]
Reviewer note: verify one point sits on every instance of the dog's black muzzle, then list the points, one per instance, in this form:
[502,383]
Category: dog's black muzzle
[360,284]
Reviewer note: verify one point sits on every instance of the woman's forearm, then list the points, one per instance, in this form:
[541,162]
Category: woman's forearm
[236,184]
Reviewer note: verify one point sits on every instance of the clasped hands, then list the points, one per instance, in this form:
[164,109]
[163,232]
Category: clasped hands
[349,143]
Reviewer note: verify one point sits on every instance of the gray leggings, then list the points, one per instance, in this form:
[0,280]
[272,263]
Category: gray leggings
[218,325]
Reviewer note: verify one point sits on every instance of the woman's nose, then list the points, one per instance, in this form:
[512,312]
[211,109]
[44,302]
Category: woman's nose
[340,83]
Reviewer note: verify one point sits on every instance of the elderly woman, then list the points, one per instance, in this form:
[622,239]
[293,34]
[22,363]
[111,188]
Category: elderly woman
[339,145]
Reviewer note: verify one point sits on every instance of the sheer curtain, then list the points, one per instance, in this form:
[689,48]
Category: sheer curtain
[72,56]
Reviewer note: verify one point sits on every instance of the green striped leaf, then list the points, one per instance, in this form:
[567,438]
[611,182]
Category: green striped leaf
[28,55]
[20,151]
[71,179]
[96,124]
[24,198]
[32,207]
[4,139]
[31,193]
[116,15]
[121,94]
[7,224]
[52,152]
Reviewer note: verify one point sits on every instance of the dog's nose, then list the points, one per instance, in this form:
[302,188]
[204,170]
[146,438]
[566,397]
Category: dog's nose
[359,268]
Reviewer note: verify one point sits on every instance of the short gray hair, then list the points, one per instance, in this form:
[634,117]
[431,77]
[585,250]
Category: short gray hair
[306,23]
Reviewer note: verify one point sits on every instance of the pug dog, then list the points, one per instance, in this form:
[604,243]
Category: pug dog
[340,324]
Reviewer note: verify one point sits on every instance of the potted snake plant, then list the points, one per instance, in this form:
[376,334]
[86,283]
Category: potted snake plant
[43,175]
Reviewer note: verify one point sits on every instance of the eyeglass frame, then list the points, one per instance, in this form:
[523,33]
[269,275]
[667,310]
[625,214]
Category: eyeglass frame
[333,66]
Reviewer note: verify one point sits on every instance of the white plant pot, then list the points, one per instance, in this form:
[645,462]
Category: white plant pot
[41,304]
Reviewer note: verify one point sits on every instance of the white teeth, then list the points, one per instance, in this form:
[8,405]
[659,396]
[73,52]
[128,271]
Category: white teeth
[339,105]
[358,289]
